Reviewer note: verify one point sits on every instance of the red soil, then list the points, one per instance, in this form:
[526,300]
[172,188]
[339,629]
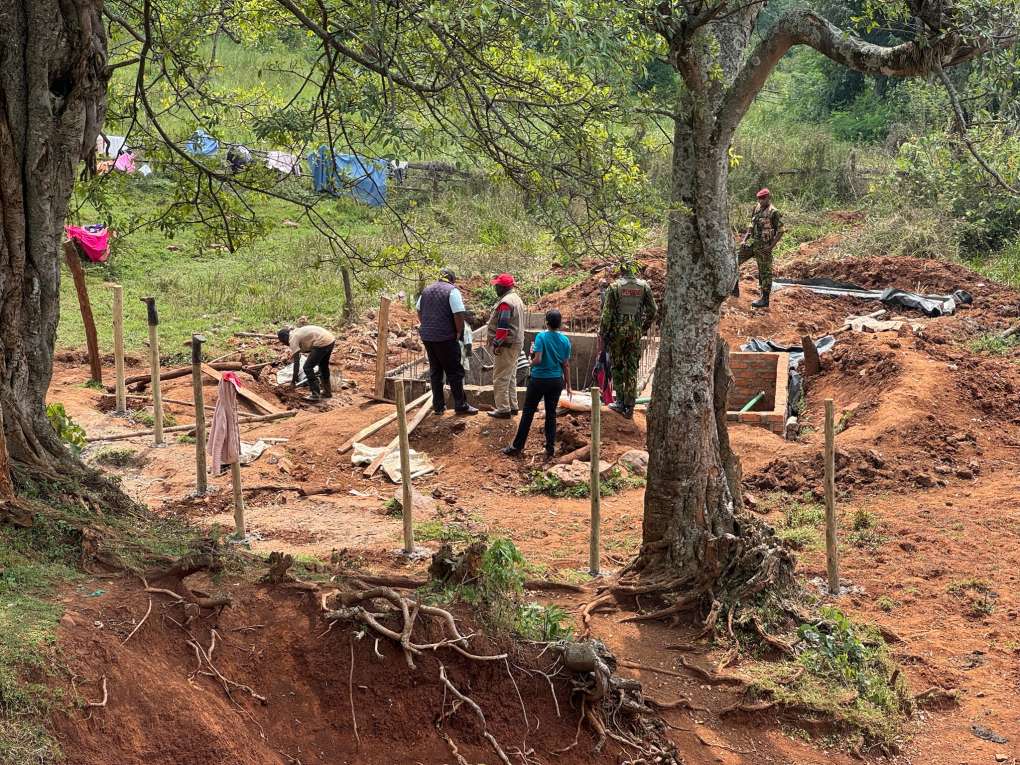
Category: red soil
[929,449]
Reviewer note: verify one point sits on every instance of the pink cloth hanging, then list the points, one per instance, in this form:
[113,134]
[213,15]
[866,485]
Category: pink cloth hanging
[125,163]
[94,241]
[225,435]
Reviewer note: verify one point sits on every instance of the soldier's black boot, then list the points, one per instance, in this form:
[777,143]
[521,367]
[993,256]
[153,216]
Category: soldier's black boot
[763,301]
[327,388]
[619,408]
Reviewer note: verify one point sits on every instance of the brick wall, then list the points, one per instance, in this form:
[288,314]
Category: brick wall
[753,373]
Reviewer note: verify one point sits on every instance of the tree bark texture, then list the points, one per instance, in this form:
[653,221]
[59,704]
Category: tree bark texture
[52,102]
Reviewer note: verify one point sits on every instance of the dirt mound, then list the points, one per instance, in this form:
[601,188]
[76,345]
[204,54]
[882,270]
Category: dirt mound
[914,274]
[582,302]
[161,709]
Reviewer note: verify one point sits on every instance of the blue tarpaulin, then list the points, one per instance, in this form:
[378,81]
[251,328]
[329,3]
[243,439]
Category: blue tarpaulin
[202,144]
[364,179]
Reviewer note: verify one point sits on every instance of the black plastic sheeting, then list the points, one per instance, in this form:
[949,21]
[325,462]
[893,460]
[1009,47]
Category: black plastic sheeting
[759,345]
[929,305]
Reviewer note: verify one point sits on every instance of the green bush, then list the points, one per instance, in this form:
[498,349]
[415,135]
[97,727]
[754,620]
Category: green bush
[70,432]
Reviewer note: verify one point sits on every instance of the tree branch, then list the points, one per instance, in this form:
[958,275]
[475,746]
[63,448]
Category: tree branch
[804,27]
[961,120]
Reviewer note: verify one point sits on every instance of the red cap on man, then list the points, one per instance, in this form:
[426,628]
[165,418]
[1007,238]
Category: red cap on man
[504,280]
[764,193]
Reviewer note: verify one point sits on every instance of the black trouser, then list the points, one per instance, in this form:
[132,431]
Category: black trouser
[318,358]
[444,359]
[539,389]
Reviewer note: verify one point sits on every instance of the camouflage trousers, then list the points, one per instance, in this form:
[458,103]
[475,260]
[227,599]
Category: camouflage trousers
[763,257]
[625,357]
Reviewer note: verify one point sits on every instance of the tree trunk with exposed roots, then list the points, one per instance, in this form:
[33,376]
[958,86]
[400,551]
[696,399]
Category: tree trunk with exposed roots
[696,546]
[52,102]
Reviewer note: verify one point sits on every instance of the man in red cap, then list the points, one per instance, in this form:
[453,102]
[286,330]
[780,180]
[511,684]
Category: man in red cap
[506,338]
[759,241]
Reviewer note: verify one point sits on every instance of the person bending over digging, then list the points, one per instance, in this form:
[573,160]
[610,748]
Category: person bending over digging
[318,344]
[550,372]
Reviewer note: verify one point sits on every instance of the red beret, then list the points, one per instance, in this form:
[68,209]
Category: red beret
[764,193]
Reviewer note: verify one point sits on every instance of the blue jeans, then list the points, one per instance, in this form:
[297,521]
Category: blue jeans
[539,389]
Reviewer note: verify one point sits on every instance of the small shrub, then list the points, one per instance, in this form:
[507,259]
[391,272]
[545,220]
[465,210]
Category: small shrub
[801,522]
[392,508]
[148,419]
[977,595]
[436,530]
[119,456]
[993,344]
[70,432]
[885,603]
[552,486]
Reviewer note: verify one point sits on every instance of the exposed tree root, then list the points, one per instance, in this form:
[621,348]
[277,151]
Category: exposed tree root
[101,702]
[181,569]
[714,678]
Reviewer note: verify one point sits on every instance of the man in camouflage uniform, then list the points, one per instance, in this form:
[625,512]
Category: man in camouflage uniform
[628,313]
[759,241]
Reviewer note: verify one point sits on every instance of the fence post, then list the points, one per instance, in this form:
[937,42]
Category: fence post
[831,541]
[201,485]
[118,347]
[73,261]
[157,398]
[595,483]
[382,338]
[405,468]
[235,480]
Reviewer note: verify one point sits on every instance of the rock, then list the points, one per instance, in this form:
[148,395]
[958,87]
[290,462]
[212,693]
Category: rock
[875,458]
[943,469]
[420,504]
[1001,757]
[577,472]
[975,466]
[750,501]
[924,480]
[965,474]
[635,461]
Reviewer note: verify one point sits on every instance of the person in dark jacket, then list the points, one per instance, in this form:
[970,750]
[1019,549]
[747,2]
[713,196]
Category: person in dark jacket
[550,372]
[442,313]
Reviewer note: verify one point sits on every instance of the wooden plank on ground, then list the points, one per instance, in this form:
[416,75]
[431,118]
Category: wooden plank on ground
[260,403]
[379,424]
[424,412]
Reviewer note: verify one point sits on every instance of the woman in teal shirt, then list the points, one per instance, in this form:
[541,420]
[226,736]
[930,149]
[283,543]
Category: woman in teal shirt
[550,373]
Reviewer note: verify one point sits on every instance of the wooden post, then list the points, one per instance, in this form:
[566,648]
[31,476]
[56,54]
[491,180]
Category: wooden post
[831,549]
[235,479]
[157,400]
[381,341]
[596,492]
[118,347]
[73,261]
[201,484]
[348,294]
[405,469]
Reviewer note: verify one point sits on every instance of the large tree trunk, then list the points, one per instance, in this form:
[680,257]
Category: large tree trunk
[52,101]
[693,542]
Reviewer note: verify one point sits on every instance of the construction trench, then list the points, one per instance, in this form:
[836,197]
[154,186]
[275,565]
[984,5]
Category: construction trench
[753,374]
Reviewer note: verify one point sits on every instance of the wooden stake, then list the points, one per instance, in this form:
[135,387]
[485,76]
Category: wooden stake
[348,294]
[235,479]
[596,491]
[118,348]
[831,542]
[381,344]
[157,400]
[201,483]
[405,469]
[73,261]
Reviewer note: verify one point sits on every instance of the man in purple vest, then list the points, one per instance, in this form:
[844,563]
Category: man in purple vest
[441,312]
